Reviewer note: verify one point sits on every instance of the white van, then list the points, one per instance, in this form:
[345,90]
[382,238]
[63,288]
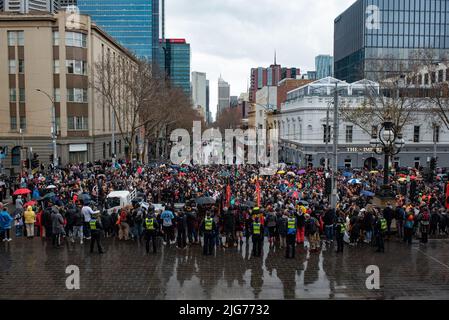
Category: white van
[117,200]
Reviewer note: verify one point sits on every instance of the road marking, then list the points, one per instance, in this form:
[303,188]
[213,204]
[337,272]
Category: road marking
[434,259]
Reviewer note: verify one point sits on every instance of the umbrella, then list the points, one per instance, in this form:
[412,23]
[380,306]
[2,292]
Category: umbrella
[302,171]
[249,204]
[304,203]
[49,195]
[2,183]
[354,181]
[368,193]
[347,174]
[30,203]
[205,200]
[402,179]
[51,187]
[22,191]
[281,172]
[290,173]
[374,172]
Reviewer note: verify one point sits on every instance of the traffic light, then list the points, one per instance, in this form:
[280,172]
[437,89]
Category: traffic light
[433,164]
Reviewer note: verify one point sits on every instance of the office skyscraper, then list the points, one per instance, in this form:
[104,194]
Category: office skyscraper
[135,24]
[177,63]
[324,66]
[208,113]
[373,38]
[224,93]
[199,91]
[26,6]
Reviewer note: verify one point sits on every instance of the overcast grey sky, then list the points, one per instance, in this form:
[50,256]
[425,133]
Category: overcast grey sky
[229,37]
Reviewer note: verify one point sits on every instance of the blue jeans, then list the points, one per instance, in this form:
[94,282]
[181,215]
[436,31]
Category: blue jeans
[19,231]
[369,234]
[137,231]
[329,230]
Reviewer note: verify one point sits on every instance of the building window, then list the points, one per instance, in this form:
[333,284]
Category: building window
[104,150]
[57,94]
[21,66]
[76,67]
[12,95]
[75,39]
[58,124]
[77,123]
[15,156]
[349,130]
[55,38]
[416,133]
[326,134]
[13,121]
[23,123]
[440,75]
[15,38]
[436,134]
[56,66]
[77,95]
[21,94]
[426,79]
[374,132]
[12,66]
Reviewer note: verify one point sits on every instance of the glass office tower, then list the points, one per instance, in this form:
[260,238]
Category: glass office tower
[177,63]
[388,33]
[134,23]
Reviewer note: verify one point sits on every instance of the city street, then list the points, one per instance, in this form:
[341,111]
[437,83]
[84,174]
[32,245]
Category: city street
[32,269]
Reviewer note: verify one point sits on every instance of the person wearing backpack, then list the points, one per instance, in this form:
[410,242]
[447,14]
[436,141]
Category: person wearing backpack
[311,232]
[424,226]
[408,229]
[399,217]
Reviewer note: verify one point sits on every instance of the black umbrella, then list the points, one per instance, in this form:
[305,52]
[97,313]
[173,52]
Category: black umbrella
[205,200]
[49,195]
[248,204]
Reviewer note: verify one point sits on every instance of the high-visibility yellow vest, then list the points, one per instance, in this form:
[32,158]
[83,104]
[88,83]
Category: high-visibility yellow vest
[256,228]
[342,228]
[291,223]
[149,224]
[208,224]
[93,224]
[383,224]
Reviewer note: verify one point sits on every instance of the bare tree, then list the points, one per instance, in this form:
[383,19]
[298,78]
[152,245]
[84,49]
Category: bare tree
[229,118]
[126,87]
[392,98]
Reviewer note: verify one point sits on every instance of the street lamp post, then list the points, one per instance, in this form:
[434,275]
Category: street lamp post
[53,130]
[391,142]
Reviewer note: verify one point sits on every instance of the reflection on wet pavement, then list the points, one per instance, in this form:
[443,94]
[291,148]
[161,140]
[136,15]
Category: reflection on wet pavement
[34,269]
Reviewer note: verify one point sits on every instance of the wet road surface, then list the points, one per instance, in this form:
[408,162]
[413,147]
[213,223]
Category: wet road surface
[33,269]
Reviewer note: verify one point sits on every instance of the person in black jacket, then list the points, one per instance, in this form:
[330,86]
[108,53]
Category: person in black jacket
[329,221]
[46,221]
[181,226]
[388,214]
[151,227]
[229,227]
[207,228]
[78,222]
[96,229]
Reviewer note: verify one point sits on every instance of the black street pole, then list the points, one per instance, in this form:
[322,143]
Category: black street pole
[386,167]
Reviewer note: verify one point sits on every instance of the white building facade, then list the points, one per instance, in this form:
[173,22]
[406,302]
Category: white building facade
[199,84]
[303,119]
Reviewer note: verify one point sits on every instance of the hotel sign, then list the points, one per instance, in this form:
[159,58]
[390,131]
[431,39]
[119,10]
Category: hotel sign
[364,149]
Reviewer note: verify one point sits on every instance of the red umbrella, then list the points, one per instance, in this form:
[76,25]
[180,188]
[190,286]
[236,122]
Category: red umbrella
[22,191]
[30,203]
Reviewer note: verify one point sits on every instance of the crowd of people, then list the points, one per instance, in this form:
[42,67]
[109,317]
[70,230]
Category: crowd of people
[221,206]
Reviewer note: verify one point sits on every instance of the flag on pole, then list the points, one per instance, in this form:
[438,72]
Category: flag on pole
[228,196]
[258,192]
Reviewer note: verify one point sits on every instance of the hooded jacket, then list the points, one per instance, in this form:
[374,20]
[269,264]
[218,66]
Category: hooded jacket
[29,215]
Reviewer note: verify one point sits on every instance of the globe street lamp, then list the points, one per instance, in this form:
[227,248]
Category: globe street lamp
[389,142]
